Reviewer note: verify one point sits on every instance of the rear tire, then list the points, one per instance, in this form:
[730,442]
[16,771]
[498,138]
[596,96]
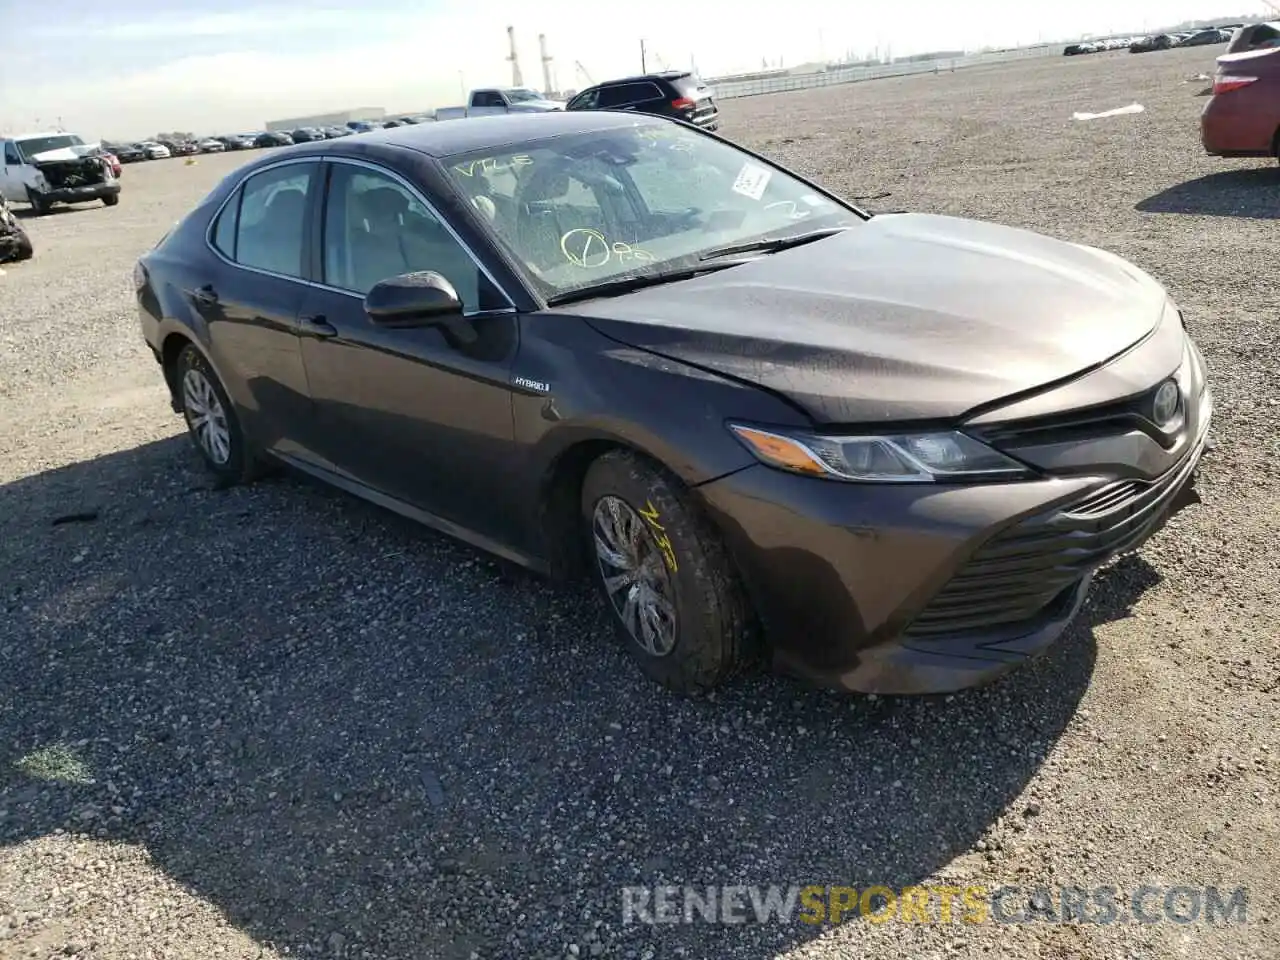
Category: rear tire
[212,420]
[688,623]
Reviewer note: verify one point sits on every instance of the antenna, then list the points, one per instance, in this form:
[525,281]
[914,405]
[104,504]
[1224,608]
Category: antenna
[517,78]
[548,88]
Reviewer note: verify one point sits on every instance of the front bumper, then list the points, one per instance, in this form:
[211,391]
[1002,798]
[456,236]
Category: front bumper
[92,191]
[915,589]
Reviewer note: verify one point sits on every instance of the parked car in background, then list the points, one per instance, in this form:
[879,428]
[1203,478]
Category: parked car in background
[1205,38]
[272,138]
[235,141]
[676,94]
[211,145]
[361,126]
[1242,117]
[154,150]
[307,135]
[43,169]
[1161,41]
[181,148]
[490,100]
[132,153]
[1257,36]
[619,345]
[332,132]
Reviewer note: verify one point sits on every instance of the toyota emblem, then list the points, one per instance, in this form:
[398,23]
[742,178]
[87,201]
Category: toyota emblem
[1164,408]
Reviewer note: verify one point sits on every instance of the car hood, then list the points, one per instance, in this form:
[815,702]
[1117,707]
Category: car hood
[78,152]
[904,317]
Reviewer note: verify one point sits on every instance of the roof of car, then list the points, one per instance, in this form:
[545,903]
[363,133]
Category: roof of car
[448,137]
[664,75]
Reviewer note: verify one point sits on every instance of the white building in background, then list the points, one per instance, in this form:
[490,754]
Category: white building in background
[336,119]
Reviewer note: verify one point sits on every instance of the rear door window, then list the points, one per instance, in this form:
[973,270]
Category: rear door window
[615,96]
[224,231]
[647,93]
[272,216]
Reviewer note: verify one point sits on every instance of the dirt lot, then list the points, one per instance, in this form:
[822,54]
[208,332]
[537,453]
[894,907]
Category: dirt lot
[270,721]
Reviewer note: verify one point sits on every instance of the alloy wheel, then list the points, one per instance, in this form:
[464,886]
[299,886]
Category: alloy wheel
[635,576]
[206,417]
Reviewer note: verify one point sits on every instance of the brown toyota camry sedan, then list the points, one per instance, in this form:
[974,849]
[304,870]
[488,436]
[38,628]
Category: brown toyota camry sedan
[890,450]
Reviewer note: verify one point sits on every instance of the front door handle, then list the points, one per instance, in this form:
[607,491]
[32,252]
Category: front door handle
[317,327]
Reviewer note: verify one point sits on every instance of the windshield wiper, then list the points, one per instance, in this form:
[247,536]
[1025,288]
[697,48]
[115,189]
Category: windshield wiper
[636,281]
[773,245]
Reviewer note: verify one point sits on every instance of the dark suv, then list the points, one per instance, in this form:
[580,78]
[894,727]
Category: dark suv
[672,94]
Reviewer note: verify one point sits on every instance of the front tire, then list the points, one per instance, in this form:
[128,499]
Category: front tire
[111,199]
[678,606]
[39,206]
[211,419]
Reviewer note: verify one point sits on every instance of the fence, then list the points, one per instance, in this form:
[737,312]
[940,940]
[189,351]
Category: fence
[728,89]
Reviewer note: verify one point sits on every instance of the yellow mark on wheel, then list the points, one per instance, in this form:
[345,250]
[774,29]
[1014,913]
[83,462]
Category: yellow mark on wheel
[650,514]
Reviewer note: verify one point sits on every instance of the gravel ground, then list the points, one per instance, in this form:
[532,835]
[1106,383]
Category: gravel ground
[275,721]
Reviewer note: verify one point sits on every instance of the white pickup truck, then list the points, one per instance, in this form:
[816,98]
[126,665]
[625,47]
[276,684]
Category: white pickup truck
[486,101]
[47,168]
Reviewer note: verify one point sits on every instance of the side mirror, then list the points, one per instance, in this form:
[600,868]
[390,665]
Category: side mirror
[413,300]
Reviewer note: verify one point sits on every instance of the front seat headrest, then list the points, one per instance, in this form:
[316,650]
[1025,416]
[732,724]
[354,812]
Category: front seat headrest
[383,204]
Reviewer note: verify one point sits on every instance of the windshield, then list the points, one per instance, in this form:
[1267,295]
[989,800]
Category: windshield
[521,95]
[648,198]
[36,145]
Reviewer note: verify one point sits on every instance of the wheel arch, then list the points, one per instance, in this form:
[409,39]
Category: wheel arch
[560,491]
[173,337]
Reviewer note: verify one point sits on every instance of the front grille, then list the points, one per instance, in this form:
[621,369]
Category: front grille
[1075,426]
[1018,573]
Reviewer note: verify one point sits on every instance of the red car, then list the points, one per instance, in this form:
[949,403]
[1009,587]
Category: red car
[1242,118]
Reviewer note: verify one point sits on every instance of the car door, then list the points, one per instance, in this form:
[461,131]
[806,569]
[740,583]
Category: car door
[12,184]
[251,299]
[421,414]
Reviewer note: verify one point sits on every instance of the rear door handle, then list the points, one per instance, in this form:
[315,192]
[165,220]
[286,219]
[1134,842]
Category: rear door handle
[317,326]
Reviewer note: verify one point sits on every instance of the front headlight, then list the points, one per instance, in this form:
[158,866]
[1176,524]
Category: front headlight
[901,458]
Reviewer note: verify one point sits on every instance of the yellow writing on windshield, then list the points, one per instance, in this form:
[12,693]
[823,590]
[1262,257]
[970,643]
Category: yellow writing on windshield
[493,164]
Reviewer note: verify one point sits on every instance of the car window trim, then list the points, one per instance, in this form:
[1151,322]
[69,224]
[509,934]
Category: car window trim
[237,191]
[431,208]
[308,239]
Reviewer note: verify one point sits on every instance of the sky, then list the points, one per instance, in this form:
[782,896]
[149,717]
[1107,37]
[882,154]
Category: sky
[132,68]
